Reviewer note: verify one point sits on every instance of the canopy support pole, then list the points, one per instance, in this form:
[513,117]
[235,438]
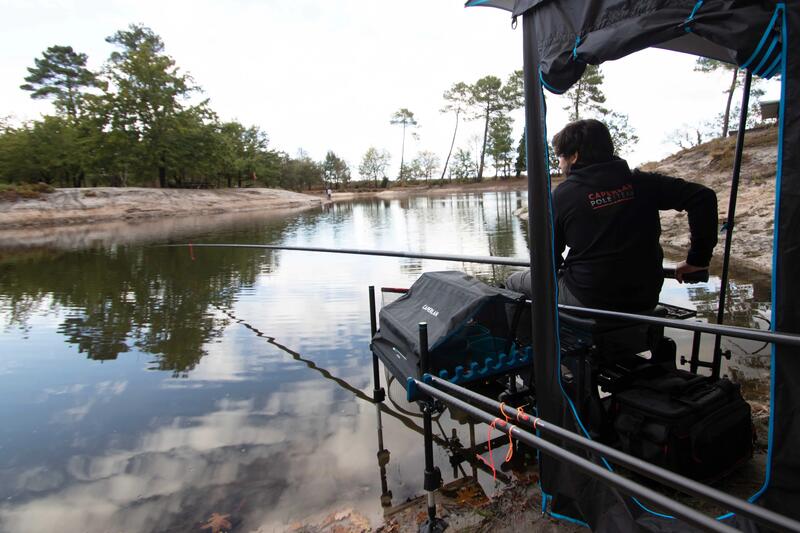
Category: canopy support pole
[543,304]
[726,258]
[544,311]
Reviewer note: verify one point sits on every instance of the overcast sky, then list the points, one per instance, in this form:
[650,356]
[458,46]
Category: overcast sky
[328,74]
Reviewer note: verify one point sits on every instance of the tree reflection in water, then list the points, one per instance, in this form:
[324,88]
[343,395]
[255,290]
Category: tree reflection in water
[156,299]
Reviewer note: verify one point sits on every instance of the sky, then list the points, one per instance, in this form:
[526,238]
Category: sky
[322,75]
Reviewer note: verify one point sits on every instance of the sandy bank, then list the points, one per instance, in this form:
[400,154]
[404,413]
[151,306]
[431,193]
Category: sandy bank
[82,206]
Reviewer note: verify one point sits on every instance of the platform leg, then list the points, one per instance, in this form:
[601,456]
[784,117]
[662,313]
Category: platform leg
[433,477]
[378,394]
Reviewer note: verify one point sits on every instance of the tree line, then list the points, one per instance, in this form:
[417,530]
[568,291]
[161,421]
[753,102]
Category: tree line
[138,121]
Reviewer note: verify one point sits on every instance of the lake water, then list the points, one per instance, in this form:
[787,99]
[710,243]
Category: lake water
[145,388]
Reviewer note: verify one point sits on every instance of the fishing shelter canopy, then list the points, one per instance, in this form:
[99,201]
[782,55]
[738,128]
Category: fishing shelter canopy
[560,37]
[571,34]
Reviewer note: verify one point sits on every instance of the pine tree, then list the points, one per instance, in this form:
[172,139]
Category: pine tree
[586,95]
[490,98]
[457,98]
[405,118]
[61,74]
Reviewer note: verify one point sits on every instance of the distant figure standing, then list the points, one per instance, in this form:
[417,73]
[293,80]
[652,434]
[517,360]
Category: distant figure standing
[328,192]
[608,216]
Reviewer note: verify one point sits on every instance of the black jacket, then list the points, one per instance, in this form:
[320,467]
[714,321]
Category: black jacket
[608,216]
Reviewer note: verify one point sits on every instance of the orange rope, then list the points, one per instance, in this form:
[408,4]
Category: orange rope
[503,412]
[490,462]
[191,251]
[510,452]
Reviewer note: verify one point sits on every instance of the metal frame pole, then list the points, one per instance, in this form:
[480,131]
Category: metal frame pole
[737,167]
[676,481]
[786,339]
[378,394]
[693,517]
[544,311]
[433,477]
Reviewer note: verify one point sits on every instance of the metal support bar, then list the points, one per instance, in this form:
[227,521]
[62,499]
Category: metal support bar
[432,475]
[726,258]
[383,459]
[628,486]
[676,481]
[695,361]
[786,339]
[378,394]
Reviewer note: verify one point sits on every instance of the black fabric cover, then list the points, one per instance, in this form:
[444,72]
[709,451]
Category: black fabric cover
[566,35]
[450,303]
[572,33]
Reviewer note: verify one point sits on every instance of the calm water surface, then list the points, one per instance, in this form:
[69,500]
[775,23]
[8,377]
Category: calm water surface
[145,388]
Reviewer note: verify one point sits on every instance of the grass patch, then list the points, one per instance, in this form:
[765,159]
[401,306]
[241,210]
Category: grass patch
[10,192]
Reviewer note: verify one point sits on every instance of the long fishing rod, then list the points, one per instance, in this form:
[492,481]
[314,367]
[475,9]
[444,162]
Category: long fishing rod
[695,277]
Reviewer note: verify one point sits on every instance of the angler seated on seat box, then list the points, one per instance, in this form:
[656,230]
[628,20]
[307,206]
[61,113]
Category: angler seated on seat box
[608,215]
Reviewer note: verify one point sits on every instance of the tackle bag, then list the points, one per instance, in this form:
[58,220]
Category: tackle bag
[470,329]
[693,425]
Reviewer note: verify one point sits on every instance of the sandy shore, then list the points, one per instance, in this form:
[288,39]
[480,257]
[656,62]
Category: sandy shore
[102,204]
[87,206]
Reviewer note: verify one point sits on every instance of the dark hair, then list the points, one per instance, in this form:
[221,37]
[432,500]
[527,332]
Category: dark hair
[590,138]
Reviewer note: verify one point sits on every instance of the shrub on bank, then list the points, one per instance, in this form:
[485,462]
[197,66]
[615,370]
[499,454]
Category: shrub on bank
[27,191]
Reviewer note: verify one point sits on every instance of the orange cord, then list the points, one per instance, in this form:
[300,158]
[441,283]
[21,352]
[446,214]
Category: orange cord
[503,412]
[490,462]
[510,452]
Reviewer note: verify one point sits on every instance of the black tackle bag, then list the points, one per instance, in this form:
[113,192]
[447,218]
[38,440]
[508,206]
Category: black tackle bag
[693,425]
[470,329]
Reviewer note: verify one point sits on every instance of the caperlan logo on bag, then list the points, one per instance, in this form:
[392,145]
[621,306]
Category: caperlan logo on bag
[430,310]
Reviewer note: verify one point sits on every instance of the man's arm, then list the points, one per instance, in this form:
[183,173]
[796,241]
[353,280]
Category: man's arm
[700,203]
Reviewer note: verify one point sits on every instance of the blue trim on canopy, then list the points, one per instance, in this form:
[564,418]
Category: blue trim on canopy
[550,87]
[775,236]
[757,70]
[690,19]
[773,68]
[778,9]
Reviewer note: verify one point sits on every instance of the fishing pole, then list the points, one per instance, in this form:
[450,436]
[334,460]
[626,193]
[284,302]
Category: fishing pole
[695,277]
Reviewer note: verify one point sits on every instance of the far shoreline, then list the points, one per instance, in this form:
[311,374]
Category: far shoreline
[75,211]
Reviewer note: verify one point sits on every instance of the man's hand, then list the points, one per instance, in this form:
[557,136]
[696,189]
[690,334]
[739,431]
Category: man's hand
[685,268]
